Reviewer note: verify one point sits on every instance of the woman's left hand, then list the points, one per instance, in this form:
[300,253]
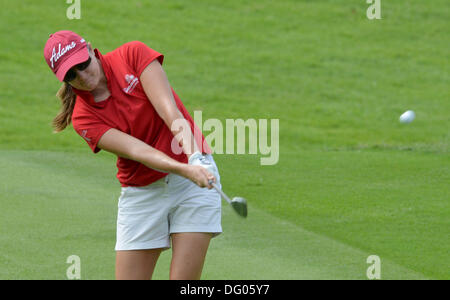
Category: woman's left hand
[199,175]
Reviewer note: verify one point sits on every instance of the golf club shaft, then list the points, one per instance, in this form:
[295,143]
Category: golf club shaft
[220,192]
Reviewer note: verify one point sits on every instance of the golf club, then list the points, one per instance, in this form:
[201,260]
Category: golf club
[239,204]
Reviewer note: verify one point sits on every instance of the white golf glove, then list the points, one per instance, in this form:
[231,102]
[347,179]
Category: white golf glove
[198,159]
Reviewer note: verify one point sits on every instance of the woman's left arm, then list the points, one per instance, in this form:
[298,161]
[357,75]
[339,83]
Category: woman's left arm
[158,91]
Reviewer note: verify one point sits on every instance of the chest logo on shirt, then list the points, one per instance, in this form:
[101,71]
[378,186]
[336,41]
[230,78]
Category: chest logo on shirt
[132,82]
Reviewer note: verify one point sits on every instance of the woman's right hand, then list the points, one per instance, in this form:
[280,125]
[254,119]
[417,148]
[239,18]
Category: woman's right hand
[199,175]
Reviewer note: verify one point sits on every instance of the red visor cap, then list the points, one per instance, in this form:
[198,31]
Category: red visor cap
[63,50]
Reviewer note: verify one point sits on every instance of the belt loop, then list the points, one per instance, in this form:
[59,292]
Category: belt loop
[166,179]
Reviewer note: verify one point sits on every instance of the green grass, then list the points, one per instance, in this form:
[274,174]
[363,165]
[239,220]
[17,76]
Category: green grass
[54,210]
[351,180]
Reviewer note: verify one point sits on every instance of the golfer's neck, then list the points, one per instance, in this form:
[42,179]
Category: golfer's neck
[101,92]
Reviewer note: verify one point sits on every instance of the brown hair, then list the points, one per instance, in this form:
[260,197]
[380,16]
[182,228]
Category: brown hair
[64,117]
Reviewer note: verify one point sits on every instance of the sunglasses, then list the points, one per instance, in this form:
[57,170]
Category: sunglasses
[71,74]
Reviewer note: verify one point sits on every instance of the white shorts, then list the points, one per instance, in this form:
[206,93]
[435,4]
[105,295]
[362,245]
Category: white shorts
[148,215]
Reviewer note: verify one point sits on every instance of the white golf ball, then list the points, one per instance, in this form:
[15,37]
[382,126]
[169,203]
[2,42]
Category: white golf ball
[407,117]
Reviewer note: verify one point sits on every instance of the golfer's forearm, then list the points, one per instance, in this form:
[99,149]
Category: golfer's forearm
[129,147]
[155,159]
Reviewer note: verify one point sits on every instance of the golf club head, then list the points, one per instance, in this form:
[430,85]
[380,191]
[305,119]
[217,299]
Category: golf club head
[240,206]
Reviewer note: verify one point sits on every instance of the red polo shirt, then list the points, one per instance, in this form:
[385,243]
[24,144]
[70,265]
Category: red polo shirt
[129,110]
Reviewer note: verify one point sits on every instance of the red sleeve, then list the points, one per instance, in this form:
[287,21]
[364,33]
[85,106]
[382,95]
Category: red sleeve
[139,56]
[90,128]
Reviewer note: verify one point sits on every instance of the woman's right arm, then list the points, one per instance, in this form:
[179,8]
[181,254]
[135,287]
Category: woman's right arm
[127,146]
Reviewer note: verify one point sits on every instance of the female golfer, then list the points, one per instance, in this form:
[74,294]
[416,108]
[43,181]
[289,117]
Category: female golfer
[122,102]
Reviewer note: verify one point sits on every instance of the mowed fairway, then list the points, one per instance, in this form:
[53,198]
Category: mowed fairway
[351,181]
[52,210]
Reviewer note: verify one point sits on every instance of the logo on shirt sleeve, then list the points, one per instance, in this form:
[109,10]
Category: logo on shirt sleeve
[132,82]
[84,135]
